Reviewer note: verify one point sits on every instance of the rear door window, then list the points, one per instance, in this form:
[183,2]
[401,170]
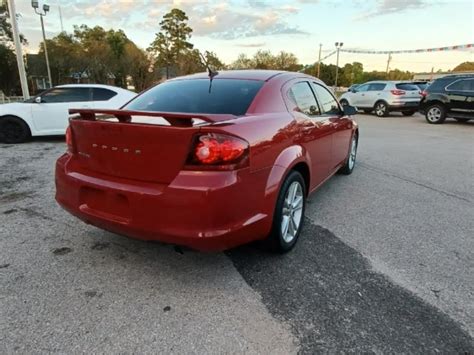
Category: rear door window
[303,97]
[461,85]
[66,95]
[328,103]
[225,96]
[101,94]
[407,87]
[377,87]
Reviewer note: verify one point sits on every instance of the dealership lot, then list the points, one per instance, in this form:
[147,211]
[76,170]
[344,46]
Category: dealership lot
[385,263]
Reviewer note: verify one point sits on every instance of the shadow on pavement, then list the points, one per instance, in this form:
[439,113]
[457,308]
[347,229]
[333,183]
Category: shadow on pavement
[334,302]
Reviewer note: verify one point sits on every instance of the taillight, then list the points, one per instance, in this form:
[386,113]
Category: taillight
[215,151]
[423,93]
[69,143]
[397,92]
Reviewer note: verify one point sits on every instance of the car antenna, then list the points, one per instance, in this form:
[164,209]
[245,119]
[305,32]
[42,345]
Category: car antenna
[211,73]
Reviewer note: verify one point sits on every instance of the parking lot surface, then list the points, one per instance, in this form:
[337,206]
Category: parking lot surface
[385,263]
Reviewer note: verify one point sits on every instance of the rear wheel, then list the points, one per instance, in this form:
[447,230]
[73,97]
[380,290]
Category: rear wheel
[289,214]
[435,114]
[351,159]
[408,113]
[344,102]
[381,109]
[14,130]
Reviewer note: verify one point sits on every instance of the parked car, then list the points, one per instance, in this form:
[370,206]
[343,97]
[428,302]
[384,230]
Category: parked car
[449,96]
[209,164]
[422,85]
[353,87]
[383,97]
[47,113]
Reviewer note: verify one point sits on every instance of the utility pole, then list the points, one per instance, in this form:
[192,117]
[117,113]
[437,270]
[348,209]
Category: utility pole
[61,17]
[18,50]
[35,5]
[338,48]
[388,62]
[319,59]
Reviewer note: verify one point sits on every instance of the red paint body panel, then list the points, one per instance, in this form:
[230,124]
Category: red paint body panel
[132,178]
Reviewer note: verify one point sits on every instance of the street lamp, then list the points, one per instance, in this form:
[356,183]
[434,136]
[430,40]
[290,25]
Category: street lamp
[45,9]
[338,48]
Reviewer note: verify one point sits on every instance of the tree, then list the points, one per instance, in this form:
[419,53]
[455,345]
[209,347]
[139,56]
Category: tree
[9,78]
[8,70]
[171,43]
[139,66]
[466,66]
[266,60]
[66,57]
[263,60]
[161,49]
[242,62]
[286,61]
[6,34]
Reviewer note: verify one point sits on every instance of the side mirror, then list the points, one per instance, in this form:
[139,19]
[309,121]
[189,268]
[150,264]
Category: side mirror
[38,99]
[349,110]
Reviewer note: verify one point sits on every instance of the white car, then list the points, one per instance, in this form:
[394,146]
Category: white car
[383,97]
[48,113]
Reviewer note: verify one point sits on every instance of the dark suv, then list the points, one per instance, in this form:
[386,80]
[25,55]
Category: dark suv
[449,96]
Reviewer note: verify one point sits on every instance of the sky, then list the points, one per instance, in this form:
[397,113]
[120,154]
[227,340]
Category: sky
[298,26]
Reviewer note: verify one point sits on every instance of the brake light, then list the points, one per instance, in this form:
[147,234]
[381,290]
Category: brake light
[69,143]
[217,151]
[423,93]
[397,92]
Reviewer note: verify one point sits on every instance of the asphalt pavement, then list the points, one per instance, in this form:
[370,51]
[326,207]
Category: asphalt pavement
[385,263]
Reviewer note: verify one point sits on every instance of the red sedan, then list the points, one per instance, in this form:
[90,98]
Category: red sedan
[208,162]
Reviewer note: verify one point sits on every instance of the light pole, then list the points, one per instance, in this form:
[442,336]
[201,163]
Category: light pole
[319,59]
[338,48]
[35,5]
[18,51]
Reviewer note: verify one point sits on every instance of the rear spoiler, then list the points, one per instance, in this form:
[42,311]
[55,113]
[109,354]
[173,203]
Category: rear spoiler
[174,118]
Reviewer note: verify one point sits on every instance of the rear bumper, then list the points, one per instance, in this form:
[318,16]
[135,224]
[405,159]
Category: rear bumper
[404,106]
[208,211]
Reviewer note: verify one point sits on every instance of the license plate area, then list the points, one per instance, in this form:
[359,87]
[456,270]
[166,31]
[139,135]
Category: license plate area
[105,204]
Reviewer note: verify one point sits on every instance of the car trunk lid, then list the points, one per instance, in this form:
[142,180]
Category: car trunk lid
[145,146]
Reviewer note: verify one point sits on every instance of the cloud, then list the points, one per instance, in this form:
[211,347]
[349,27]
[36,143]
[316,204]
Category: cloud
[251,45]
[223,22]
[387,7]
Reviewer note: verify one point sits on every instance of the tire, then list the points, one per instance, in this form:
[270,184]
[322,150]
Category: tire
[408,113]
[13,130]
[344,102]
[381,109]
[351,158]
[367,111]
[280,241]
[435,114]
[462,120]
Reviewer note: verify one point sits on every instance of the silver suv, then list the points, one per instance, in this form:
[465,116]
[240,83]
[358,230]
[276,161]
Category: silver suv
[383,97]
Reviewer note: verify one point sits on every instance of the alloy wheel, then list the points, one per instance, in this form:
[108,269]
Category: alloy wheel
[380,109]
[353,153]
[434,114]
[292,213]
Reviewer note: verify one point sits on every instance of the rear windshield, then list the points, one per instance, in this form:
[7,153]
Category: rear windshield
[407,87]
[226,96]
[422,86]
